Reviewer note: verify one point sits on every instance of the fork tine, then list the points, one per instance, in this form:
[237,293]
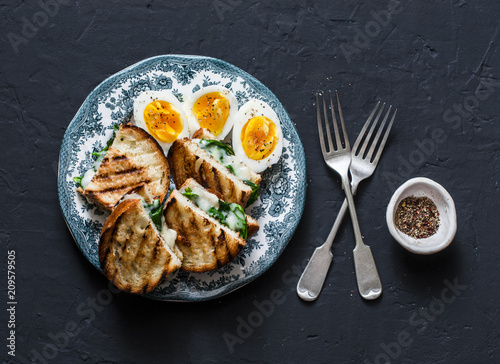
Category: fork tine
[386,135]
[320,126]
[335,125]
[369,135]
[346,138]
[375,140]
[368,121]
[327,124]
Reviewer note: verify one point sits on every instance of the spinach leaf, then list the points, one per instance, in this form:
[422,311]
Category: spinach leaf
[213,142]
[240,214]
[188,192]
[217,214]
[78,181]
[101,153]
[224,210]
[255,192]
[155,212]
[224,206]
[116,127]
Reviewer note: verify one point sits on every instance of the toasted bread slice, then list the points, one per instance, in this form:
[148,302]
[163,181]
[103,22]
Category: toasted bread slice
[133,254]
[133,158]
[188,160]
[205,243]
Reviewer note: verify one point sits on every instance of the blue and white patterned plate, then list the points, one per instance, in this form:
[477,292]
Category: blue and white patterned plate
[278,209]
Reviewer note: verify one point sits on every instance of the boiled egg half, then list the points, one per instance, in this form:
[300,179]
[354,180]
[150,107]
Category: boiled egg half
[213,108]
[257,136]
[161,114]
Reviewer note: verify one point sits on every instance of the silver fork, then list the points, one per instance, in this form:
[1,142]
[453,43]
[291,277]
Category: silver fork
[313,277]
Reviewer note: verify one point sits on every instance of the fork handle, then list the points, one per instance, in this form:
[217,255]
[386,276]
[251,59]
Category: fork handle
[369,284]
[312,279]
[367,276]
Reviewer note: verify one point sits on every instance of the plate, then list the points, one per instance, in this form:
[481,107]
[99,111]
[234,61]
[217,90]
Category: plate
[281,201]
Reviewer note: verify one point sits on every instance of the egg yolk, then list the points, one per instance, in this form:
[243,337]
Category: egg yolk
[259,137]
[212,111]
[163,120]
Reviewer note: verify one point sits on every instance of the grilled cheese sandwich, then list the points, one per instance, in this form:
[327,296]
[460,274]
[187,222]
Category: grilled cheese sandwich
[132,158]
[210,232]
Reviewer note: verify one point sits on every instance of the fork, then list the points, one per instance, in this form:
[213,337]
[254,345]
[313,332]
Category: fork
[362,167]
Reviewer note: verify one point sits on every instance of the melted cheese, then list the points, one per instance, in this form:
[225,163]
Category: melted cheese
[240,170]
[169,235]
[87,177]
[206,200]
[233,222]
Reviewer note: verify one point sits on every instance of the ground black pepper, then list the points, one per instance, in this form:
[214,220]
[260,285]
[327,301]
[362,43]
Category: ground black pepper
[417,217]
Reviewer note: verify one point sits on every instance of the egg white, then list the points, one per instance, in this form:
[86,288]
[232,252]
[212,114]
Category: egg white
[145,98]
[249,110]
[193,120]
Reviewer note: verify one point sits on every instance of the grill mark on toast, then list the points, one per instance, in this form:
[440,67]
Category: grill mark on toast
[214,243]
[156,249]
[232,188]
[122,244]
[201,177]
[111,189]
[216,179]
[118,188]
[167,263]
[181,240]
[116,158]
[192,224]
[220,242]
[109,176]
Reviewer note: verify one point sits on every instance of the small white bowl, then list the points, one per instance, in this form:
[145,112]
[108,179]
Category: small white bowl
[420,187]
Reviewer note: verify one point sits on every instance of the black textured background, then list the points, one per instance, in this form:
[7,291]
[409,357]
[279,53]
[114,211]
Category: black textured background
[429,60]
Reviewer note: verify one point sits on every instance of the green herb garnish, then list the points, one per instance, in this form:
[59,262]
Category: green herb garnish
[217,214]
[213,142]
[100,154]
[188,192]
[224,210]
[116,127]
[255,192]
[155,212]
[78,181]
[231,169]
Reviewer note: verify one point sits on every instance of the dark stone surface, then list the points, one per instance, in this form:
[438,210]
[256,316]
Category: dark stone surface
[429,60]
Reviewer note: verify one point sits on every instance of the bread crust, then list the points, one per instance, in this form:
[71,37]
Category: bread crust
[252,225]
[188,160]
[132,254]
[203,133]
[133,158]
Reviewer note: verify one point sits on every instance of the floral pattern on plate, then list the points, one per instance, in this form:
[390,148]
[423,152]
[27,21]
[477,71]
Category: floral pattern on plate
[281,200]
